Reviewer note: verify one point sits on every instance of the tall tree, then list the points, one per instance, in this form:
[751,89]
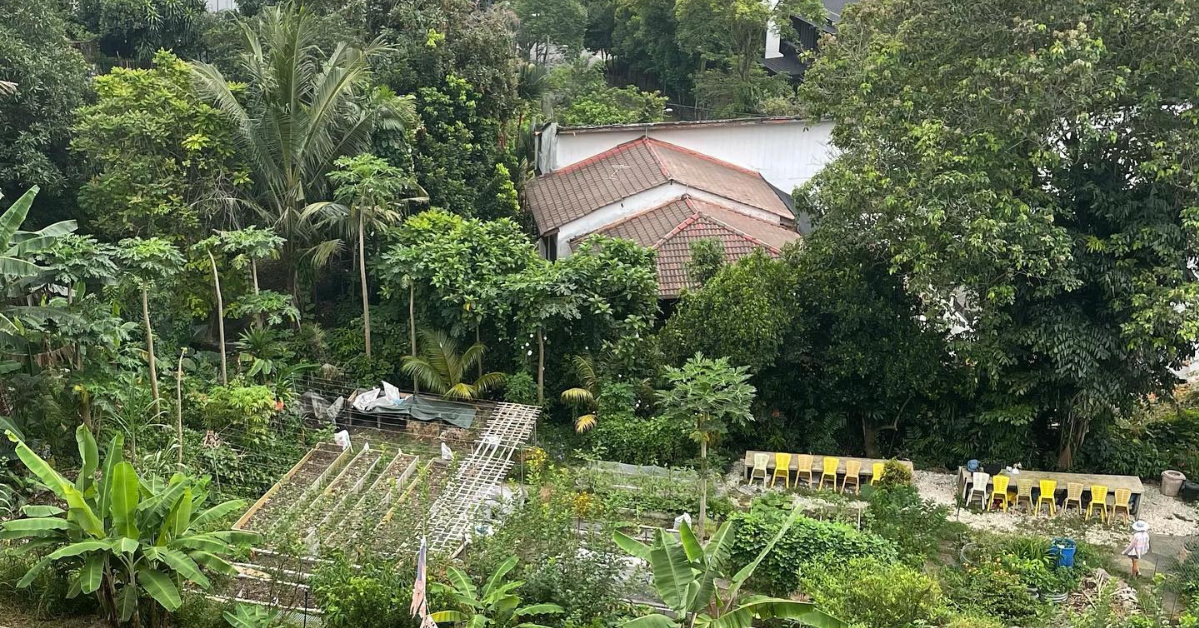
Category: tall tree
[155,154]
[44,79]
[372,196]
[1031,167]
[550,26]
[299,113]
[710,395]
[149,262]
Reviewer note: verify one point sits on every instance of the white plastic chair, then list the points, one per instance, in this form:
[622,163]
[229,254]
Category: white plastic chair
[979,486]
[759,470]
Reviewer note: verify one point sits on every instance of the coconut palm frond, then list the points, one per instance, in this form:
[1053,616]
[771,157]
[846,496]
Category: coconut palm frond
[424,373]
[489,381]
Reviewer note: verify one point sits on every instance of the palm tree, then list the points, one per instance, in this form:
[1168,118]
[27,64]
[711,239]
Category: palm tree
[585,395]
[372,194]
[299,113]
[440,368]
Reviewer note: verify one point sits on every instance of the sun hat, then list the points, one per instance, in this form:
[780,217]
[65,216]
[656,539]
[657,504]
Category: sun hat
[1140,526]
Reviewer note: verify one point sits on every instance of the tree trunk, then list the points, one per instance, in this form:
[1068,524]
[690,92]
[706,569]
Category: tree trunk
[540,368]
[412,328]
[150,350]
[254,280]
[869,438]
[477,341]
[703,487]
[220,319]
[366,306]
[179,399]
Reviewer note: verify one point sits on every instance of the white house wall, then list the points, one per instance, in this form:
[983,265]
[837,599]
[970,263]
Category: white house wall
[642,201]
[786,153]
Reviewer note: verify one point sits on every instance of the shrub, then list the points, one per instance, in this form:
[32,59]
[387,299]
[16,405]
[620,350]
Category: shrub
[806,542]
[894,474]
[914,525]
[874,593]
[521,388]
[244,410]
[635,440]
[46,597]
[587,584]
[376,596]
[990,589]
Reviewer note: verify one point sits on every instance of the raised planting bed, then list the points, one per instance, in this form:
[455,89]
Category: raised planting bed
[342,496]
[408,511]
[264,514]
[324,497]
[375,501]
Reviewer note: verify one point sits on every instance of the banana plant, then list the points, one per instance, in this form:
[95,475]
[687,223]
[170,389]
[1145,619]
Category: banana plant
[495,607]
[124,538]
[685,575]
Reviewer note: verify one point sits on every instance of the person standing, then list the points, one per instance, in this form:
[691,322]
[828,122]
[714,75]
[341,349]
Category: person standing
[1138,546]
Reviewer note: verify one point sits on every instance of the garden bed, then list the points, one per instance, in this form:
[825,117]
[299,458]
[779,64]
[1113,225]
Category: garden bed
[263,515]
[408,511]
[375,501]
[348,482]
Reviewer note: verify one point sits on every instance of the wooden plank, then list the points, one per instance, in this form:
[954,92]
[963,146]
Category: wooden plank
[274,488]
[818,463]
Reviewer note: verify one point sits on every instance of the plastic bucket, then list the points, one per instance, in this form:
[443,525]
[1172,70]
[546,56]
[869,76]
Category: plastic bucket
[1171,482]
[1064,550]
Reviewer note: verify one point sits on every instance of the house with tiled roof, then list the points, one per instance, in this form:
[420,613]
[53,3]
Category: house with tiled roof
[663,196]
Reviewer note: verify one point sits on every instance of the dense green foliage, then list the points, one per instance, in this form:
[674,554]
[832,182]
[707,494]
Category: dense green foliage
[49,82]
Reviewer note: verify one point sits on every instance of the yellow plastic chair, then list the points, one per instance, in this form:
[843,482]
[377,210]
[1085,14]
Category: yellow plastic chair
[830,467]
[759,470]
[853,471]
[876,472]
[1024,491]
[805,468]
[782,466]
[1098,496]
[1073,496]
[999,491]
[1123,500]
[1048,488]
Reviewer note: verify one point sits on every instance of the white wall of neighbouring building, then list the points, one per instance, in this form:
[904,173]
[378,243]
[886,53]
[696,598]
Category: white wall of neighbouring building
[787,151]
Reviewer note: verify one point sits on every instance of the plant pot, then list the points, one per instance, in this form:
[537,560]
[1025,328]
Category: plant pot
[1171,482]
[1189,491]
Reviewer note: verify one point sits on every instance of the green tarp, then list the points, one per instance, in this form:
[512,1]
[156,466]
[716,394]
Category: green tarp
[424,409]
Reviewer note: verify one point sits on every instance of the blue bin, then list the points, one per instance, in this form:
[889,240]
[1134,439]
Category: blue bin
[1063,550]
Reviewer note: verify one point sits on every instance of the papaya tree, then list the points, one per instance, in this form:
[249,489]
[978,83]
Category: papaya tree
[125,539]
[149,262]
[686,572]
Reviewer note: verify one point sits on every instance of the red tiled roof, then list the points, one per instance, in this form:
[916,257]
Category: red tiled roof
[636,166]
[671,228]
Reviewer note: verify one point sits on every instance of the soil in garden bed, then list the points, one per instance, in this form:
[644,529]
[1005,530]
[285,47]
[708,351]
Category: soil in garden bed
[331,498]
[370,507]
[273,592]
[292,490]
[411,515]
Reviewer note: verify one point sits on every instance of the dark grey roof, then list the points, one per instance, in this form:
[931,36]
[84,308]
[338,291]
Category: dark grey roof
[785,64]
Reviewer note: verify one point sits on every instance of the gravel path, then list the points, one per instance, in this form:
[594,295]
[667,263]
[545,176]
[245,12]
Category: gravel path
[1165,515]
